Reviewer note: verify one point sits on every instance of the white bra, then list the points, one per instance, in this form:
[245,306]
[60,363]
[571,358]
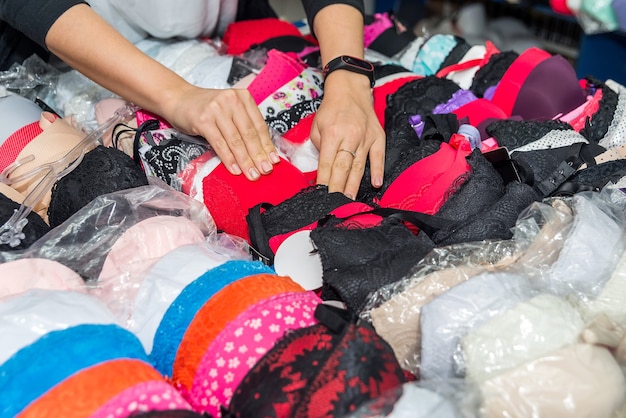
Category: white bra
[165,280]
[26,317]
[455,313]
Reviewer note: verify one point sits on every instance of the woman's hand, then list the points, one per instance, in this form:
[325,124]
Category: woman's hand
[232,124]
[346,131]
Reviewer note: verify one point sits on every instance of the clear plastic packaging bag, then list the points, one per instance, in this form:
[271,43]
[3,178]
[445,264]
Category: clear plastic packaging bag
[76,95]
[445,320]
[589,252]
[26,317]
[33,79]
[394,310]
[83,242]
[581,380]
[526,331]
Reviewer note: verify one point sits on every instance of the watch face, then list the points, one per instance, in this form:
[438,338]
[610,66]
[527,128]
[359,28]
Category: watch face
[358,63]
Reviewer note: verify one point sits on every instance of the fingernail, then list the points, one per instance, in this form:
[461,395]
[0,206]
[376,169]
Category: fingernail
[235,169]
[377,182]
[254,173]
[274,157]
[349,196]
[267,167]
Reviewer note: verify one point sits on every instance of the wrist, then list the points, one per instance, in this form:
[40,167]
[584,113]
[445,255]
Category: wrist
[349,64]
[172,98]
[347,82]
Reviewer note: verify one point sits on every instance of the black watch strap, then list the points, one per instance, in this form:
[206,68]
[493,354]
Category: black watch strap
[355,65]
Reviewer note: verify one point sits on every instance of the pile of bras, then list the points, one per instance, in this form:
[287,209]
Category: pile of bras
[485,278]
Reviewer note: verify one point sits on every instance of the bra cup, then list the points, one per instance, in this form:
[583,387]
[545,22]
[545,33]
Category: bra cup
[16,112]
[103,170]
[56,140]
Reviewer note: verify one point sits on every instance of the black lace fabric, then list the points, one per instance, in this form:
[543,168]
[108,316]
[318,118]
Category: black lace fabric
[496,222]
[417,97]
[170,157]
[491,73]
[284,120]
[596,128]
[482,189]
[600,175]
[103,170]
[513,133]
[34,229]
[326,370]
[304,208]
[358,261]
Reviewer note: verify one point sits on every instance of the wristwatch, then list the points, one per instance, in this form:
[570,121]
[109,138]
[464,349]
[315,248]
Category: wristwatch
[346,62]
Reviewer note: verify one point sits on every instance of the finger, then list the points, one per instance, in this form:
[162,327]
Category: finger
[355,175]
[377,161]
[235,142]
[251,137]
[261,127]
[217,141]
[325,159]
[340,170]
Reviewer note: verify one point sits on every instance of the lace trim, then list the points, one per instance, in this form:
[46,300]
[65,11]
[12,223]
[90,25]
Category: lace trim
[489,75]
[417,97]
[169,158]
[307,206]
[616,133]
[483,187]
[284,108]
[514,133]
[597,126]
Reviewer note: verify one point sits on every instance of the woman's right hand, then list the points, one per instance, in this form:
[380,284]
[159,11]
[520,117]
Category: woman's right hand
[231,122]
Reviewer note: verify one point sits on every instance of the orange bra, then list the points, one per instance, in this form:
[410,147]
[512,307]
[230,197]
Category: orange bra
[216,313]
[84,392]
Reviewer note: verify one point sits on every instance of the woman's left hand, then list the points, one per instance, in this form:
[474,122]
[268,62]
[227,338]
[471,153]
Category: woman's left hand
[346,131]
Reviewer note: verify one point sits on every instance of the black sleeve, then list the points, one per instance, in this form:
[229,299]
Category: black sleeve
[34,17]
[311,7]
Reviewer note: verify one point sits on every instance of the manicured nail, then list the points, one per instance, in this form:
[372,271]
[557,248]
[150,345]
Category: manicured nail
[235,169]
[377,182]
[266,166]
[349,196]
[274,157]
[254,173]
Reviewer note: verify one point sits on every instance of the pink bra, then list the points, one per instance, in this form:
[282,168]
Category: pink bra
[151,395]
[21,275]
[243,342]
[423,187]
